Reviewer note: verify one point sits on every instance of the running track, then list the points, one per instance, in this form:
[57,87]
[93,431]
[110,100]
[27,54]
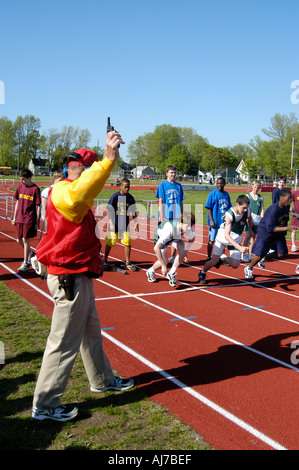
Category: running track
[217,356]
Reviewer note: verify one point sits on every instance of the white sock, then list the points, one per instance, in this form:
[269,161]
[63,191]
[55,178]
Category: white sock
[172,270]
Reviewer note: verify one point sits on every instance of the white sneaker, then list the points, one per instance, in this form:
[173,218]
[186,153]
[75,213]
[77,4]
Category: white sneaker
[261,264]
[172,279]
[117,384]
[248,272]
[294,248]
[297,269]
[25,266]
[61,413]
[151,276]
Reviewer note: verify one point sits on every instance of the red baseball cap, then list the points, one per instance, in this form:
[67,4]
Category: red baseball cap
[81,157]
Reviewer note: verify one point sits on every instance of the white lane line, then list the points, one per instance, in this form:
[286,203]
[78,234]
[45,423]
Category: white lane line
[213,332]
[198,396]
[40,291]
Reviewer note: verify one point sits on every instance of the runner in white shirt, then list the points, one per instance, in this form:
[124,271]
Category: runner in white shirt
[230,235]
[169,233]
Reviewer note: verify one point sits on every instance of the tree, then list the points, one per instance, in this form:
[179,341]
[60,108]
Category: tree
[216,158]
[155,147]
[240,152]
[50,142]
[72,137]
[281,125]
[276,153]
[7,143]
[180,158]
[28,139]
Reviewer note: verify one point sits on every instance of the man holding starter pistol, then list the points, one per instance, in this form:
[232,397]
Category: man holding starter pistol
[71,251]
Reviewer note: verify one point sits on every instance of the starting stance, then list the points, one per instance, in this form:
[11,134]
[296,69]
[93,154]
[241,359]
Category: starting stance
[230,235]
[272,231]
[169,233]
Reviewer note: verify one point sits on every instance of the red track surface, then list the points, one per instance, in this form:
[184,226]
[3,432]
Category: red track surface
[217,356]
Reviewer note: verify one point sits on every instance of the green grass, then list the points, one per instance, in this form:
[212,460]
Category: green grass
[111,421]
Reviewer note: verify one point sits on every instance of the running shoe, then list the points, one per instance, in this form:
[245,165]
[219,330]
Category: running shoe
[202,277]
[25,266]
[130,266]
[294,248]
[106,266]
[117,384]
[248,272]
[151,276]
[261,264]
[297,269]
[172,279]
[61,413]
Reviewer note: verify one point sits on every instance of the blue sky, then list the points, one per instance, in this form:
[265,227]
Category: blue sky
[223,68]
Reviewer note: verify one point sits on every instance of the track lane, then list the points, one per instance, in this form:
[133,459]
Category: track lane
[124,280]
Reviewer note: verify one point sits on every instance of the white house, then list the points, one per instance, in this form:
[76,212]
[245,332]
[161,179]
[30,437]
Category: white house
[142,171]
[243,174]
[38,166]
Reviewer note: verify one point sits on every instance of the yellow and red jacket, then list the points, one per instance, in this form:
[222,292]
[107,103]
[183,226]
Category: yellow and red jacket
[71,244]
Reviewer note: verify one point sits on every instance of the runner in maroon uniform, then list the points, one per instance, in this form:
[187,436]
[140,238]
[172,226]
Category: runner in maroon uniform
[27,214]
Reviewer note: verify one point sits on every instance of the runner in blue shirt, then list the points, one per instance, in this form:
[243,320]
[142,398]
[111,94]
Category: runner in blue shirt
[170,195]
[217,204]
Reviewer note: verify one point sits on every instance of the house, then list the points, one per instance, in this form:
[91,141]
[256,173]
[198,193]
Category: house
[262,175]
[243,174]
[38,166]
[231,176]
[140,171]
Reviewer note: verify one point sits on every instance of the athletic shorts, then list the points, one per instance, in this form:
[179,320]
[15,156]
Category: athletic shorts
[112,237]
[233,252]
[173,243]
[212,234]
[219,248]
[261,247]
[26,230]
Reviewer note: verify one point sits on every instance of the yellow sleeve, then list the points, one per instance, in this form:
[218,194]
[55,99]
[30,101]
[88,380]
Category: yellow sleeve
[74,199]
